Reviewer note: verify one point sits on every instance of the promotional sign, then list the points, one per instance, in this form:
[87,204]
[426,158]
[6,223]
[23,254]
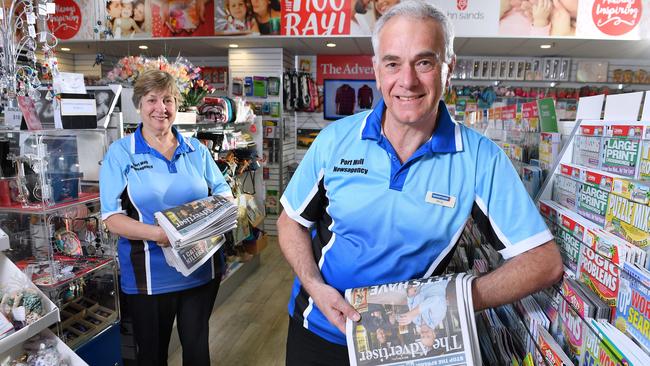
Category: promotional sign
[344,67]
[68,22]
[609,19]
[182,18]
[471,18]
[316,17]
[130,19]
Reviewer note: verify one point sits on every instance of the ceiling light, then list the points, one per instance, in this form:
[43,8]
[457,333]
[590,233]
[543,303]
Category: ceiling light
[330,44]
[546,46]
[497,82]
[66,49]
[143,47]
[620,86]
[553,84]
[233,45]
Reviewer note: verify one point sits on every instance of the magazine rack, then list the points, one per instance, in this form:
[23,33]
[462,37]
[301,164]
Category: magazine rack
[49,207]
[517,129]
[593,214]
[588,231]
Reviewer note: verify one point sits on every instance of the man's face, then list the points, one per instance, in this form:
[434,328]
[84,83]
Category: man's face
[410,70]
[115,9]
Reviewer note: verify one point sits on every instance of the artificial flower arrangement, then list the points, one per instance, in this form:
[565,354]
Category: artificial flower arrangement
[188,77]
[194,95]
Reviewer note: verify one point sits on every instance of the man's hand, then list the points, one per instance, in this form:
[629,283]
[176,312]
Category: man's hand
[333,305]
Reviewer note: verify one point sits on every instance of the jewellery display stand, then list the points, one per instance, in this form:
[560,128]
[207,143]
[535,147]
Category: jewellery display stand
[49,207]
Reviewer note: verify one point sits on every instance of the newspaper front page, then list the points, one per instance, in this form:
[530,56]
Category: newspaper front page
[424,322]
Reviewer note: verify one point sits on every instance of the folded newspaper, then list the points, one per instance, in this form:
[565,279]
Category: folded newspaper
[426,321]
[195,231]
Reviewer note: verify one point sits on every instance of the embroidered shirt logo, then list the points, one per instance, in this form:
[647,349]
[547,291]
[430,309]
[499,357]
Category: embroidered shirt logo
[440,199]
[348,166]
[141,165]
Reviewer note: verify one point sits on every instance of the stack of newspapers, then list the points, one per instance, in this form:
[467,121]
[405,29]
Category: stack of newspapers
[195,231]
[426,321]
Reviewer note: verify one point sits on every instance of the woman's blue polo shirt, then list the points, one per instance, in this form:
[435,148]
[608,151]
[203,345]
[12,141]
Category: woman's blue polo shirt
[137,181]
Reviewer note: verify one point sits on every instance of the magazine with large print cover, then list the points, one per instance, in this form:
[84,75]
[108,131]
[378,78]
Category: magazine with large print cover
[418,322]
[197,220]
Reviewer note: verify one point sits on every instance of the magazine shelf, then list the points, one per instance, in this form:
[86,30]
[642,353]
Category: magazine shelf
[50,210]
[596,203]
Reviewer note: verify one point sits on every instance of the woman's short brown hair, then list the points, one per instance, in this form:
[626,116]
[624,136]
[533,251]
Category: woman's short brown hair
[154,80]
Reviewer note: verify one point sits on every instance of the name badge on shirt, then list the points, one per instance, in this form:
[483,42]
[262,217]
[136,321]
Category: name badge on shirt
[440,199]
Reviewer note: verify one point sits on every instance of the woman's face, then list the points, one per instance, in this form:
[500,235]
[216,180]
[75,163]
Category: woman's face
[260,6]
[382,6]
[138,12]
[237,9]
[158,110]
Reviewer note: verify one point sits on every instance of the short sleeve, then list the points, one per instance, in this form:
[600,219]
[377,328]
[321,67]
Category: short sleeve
[112,181]
[212,175]
[503,210]
[304,198]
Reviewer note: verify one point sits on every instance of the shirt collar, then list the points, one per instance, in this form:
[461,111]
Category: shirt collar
[142,147]
[446,137]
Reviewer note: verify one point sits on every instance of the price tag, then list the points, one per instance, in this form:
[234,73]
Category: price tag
[2,14]
[32,31]
[51,8]
[42,9]
[42,37]
[13,117]
[31,18]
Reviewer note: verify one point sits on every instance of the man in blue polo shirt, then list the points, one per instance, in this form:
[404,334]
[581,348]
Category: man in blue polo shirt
[382,196]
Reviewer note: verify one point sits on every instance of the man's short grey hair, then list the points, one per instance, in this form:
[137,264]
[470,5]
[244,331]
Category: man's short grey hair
[417,9]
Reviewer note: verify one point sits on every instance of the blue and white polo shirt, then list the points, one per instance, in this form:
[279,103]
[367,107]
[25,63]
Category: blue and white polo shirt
[374,220]
[136,180]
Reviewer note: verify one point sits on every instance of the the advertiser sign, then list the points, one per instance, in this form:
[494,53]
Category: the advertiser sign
[316,17]
[344,67]
[618,19]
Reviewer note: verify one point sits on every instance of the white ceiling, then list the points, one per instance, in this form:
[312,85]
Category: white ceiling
[218,46]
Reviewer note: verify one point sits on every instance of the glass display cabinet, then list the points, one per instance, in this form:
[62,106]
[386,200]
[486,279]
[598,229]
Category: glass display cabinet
[49,208]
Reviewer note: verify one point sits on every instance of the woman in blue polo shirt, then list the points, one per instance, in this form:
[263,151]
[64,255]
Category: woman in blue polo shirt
[153,169]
